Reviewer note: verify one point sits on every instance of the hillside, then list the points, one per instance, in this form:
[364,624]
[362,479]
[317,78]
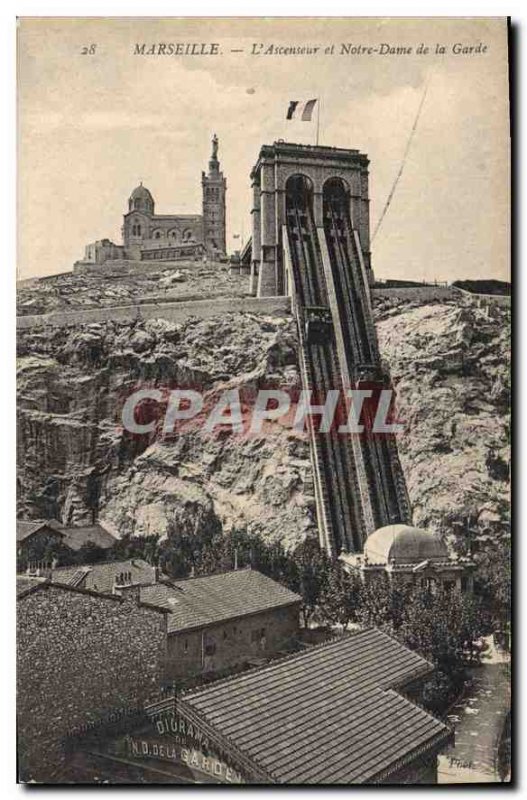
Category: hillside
[449,363]
[182,280]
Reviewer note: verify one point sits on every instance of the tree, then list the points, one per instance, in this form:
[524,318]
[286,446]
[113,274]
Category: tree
[309,576]
[341,597]
[90,553]
[382,605]
[128,546]
[492,581]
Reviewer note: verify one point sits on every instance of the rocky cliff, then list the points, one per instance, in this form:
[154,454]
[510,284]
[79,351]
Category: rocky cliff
[76,461]
[449,363]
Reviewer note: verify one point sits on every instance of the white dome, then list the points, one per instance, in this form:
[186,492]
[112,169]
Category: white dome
[403,544]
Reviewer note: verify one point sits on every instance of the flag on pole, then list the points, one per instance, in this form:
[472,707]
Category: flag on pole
[303,111]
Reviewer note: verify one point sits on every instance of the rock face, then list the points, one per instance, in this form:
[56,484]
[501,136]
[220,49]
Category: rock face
[75,460]
[176,280]
[449,364]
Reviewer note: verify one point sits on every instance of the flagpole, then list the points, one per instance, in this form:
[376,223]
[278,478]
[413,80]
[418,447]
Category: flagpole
[318,121]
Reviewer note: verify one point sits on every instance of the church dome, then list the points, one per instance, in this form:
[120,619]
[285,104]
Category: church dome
[404,544]
[141,200]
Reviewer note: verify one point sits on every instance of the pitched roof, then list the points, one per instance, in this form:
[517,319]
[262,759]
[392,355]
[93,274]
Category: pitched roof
[199,602]
[76,537]
[45,585]
[101,577]
[26,528]
[25,582]
[327,715]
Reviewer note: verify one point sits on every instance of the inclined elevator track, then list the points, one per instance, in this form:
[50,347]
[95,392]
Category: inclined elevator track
[338,491]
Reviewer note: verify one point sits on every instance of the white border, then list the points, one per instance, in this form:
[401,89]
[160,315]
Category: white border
[159,8]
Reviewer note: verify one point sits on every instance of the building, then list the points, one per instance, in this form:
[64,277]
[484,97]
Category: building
[110,577]
[83,659]
[339,713]
[278,165]
[147,236]
[40,541]
[37,537]
[97,641]
[219,622]
[406,554]
[311,242]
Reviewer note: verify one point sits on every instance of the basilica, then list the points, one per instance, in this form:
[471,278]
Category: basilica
[147,236]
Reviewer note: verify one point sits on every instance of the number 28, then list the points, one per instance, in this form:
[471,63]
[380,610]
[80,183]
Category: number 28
[88,50]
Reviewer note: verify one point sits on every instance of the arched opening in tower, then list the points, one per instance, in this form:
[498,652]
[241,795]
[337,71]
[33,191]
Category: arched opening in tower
[299,192]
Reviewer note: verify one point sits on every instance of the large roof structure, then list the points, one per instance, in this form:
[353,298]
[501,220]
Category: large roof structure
[73,537]
[200,602]
[102,577]
[26,528]
[404,544]
[328,715]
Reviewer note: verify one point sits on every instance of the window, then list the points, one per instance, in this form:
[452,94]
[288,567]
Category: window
[185,646]
[209,645]
[225,634]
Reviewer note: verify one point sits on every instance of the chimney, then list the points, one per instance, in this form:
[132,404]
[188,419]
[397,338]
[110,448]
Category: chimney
[130,593]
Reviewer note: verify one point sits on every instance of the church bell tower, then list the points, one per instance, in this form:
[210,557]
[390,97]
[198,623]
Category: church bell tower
[214,187]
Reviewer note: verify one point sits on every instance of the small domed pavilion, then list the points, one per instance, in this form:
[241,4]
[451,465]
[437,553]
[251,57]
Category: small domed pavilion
[408,554]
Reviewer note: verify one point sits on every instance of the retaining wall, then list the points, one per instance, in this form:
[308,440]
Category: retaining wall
[421,294]
[174,312]
[503,300]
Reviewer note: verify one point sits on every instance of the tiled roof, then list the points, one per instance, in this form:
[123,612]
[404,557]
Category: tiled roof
[199,602]
[327,715]
[77,537]
[100,577]
[25,528]
[74,537]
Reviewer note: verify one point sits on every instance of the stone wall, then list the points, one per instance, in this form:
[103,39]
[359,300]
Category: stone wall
[81,657]
[483,300]
[234,642]
[419,294]
[173,312]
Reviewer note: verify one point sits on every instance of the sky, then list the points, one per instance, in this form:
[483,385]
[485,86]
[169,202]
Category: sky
[92,126]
